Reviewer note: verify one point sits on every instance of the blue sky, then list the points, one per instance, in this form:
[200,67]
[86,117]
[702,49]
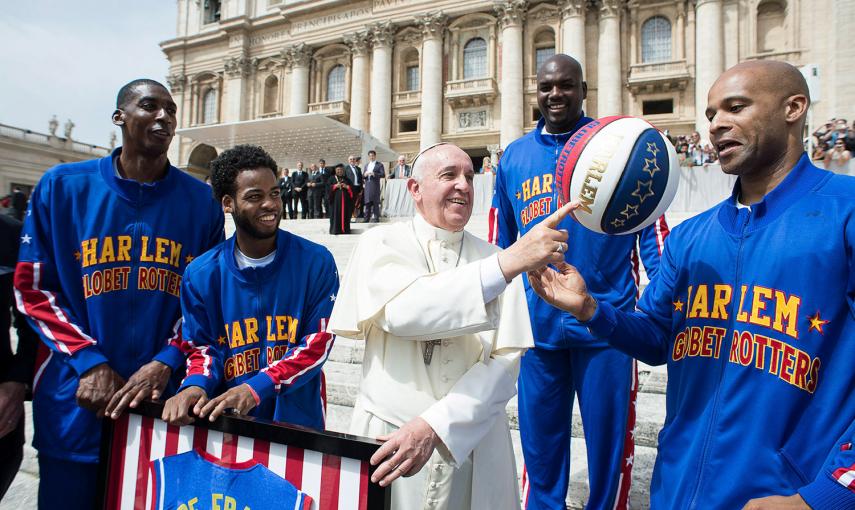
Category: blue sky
[69,58]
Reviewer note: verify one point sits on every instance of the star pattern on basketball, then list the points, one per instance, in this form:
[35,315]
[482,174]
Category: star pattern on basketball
[618,223]
[816,323]
[652,148]
[643,190]
[629,211]
[651,166]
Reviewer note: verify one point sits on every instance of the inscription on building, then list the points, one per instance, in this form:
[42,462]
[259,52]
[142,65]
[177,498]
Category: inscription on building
[299,27]
[384,5]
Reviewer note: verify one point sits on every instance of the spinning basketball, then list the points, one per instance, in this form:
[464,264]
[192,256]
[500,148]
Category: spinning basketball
[622,170]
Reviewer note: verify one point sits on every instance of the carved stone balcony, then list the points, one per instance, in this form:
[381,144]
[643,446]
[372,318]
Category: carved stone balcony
[269,115]
[408,98]
[474,92]
[658,77]
[338,110]
[530,84]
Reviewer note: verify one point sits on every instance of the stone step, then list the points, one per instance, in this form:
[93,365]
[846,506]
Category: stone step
[338,419]
[343,388]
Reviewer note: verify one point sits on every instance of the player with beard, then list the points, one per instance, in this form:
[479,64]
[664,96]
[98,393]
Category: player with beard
[256,307]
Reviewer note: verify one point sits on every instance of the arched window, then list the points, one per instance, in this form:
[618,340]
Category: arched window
[271,94]
[409,70]
[209,107]
[475,59]
[770,27]
[544,47]
[656,40]
[335,84]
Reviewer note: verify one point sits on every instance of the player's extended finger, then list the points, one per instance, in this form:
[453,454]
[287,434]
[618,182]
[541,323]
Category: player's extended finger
[564,268]
[220,409]
[208,407]
[200,404]
[398,471]
[555,218]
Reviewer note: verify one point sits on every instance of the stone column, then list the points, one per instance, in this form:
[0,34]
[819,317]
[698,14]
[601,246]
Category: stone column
[511,14]
[382,36]
[177,85]
[573,29]
[432,26]
[238,70]
[709,56]
[608,60]
[298,57]
[359,78]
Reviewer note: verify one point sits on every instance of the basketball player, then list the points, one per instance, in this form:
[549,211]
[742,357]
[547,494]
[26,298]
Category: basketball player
[103,248]
[753,310]
[566,359]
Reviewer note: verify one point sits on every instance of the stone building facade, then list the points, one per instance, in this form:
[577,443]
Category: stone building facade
[414,72]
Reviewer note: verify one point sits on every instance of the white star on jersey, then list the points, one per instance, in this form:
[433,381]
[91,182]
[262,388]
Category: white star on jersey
[332,297]
[25,239]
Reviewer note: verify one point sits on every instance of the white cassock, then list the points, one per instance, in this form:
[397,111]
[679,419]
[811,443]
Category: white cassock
[404,286]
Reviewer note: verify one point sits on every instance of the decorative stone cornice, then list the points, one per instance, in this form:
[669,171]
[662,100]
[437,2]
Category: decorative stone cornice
[572,8]
[545,14]
[358,43]
[610,8]
[432,24]
[240,66]
[176,82]
[298,55]
[382,34]
[510,12]
[698,3]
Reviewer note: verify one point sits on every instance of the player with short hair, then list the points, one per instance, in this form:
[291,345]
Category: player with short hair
[752,309]
[103,249]
[566,359]
[256,307]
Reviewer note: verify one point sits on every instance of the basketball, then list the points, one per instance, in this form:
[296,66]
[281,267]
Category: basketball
[622,171]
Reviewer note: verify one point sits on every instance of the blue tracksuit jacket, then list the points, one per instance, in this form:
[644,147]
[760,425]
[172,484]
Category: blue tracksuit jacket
[754,313]
[524,195]
[263,326]
[98,277]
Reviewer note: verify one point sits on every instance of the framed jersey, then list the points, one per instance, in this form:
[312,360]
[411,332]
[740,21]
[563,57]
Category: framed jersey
[233,463]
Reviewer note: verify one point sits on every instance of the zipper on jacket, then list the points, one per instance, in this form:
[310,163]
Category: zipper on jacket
[722,364]
[136,265]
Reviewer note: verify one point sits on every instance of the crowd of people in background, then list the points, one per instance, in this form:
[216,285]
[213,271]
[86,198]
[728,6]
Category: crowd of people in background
[833,144]
[692,151]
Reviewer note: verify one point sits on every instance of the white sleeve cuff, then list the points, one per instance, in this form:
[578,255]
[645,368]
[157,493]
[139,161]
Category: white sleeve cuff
[492,279]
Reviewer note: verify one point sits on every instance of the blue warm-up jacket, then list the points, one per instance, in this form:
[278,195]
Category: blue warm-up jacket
[98,277]
[753,310]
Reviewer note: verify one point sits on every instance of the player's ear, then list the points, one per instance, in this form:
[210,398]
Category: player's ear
[584,90]
[118,117]
[228,204]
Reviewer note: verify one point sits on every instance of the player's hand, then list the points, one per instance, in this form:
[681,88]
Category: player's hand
[147,382]
[11,405]
[564,289]
[794,502]
[240,399]
[405,451]
[97,386]
[540,246]
[176,411]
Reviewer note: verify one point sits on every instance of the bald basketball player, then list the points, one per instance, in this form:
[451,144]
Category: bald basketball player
[752,310]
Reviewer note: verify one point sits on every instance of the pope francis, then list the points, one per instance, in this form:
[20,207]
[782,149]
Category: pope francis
[445,322]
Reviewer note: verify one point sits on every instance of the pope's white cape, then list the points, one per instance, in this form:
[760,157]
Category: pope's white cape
[390,298]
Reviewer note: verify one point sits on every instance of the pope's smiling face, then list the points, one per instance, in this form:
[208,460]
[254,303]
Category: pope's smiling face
[444,193]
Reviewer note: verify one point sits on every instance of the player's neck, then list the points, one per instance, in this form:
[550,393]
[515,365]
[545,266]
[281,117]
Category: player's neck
[753,187]
[142,167]
[253,247]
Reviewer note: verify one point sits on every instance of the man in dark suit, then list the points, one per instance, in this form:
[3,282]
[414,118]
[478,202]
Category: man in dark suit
[298,182]
[317,185]
[354,173]
[374,171]
[16,369]
[286,191]
[327,172]
[402,170]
